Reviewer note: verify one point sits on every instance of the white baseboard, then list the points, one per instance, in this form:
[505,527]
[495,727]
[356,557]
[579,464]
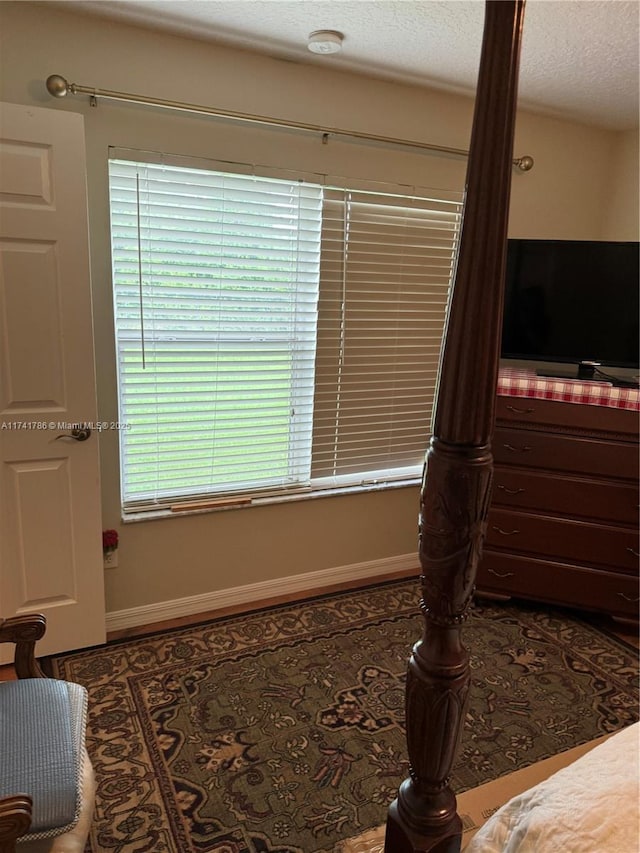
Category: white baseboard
[311,582]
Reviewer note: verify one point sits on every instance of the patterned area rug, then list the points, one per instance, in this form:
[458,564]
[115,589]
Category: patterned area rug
[281,731]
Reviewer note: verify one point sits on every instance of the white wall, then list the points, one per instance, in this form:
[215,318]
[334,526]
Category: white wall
[565,196]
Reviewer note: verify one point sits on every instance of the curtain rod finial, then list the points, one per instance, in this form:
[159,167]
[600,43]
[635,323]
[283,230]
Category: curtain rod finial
[525,164]
[57,86]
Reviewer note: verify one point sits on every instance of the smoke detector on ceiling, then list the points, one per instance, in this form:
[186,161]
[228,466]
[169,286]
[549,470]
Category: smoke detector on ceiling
[325,41]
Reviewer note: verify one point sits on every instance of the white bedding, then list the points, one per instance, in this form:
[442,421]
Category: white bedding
[591,806]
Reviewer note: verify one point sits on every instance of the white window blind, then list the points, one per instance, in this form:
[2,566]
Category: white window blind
[272,335]
[216,288]
[385,273]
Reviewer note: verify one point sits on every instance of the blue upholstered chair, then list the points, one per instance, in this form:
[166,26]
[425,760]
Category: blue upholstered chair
[46,779]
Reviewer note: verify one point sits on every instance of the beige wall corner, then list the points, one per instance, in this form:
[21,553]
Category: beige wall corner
[621,213]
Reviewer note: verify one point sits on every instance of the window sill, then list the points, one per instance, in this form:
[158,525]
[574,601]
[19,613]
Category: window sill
[165,512]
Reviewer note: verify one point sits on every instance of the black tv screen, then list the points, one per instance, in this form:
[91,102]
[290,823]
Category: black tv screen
[572,301]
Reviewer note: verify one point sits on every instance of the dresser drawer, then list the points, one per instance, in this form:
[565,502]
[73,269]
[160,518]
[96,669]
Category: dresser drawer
[573,497]
[563,539]
[558,583]
[573,416]
[569,453]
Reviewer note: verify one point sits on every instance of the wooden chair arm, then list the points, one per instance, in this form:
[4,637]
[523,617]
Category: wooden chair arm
[24,631]
[15,819]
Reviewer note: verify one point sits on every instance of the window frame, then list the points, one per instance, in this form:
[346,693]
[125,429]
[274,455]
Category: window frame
[320,485]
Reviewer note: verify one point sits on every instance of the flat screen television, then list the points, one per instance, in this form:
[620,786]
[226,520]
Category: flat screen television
[572,302]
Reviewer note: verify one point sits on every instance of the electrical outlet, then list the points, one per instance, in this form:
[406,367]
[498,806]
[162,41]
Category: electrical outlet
[111,559]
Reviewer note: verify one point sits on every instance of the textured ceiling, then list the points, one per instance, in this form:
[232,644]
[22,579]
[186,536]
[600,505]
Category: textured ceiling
[579,57]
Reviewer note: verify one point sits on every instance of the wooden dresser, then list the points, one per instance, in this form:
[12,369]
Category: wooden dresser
[563,524]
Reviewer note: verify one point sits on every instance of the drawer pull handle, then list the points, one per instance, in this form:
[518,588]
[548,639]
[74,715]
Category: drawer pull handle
[634,552]
[510,491]
[524,449]
[507,575]
[505,532]
[520,411]
[622,595]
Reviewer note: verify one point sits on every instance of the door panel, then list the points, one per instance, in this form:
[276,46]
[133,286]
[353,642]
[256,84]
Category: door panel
[51,544]
[40,492]
[33,360]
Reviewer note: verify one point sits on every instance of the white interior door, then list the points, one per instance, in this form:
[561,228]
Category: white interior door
[50,518]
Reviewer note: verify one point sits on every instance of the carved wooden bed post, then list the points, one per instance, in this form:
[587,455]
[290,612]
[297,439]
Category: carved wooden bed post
[457,482]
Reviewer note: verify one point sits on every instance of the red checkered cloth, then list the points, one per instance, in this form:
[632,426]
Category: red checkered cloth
[525,383]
